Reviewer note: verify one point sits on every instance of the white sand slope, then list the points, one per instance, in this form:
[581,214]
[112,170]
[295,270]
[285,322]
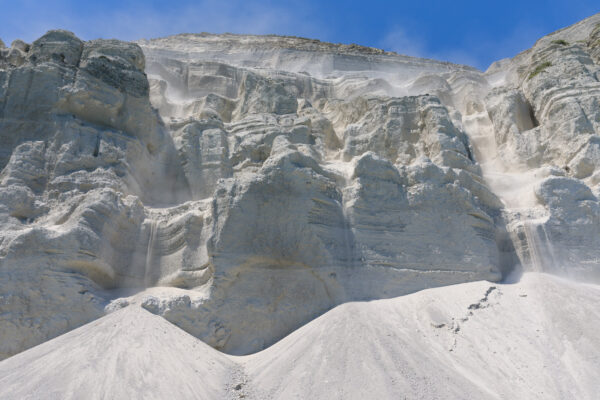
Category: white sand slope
[535,339]
[130,354]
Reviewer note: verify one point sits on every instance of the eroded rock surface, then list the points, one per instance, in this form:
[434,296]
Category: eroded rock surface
[240,186]
[82,152]
[546,115]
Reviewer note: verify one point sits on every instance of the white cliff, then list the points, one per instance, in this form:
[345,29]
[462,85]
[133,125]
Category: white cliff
[241,186]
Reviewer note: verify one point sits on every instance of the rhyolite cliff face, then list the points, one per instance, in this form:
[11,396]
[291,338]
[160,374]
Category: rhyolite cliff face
[239,186]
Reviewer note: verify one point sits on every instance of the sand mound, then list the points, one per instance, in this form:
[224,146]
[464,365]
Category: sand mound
[535,339]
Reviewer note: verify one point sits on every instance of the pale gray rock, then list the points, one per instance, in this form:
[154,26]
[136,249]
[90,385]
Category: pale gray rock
[513,117]
[573,228]
[204,153]
[267,179]
[546,117]
[72,181]
[593,44]
[57,46]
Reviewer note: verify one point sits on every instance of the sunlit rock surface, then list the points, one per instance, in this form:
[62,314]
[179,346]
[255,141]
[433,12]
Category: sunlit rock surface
[545,112]
[267,179]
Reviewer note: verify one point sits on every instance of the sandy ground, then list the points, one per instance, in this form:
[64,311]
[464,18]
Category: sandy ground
[534,339]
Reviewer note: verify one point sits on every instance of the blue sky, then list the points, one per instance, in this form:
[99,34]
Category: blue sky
[470,32]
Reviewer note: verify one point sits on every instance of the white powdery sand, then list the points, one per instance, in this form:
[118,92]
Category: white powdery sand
[535,339]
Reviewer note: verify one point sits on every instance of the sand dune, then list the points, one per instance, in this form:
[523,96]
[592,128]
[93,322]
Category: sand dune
[535,339]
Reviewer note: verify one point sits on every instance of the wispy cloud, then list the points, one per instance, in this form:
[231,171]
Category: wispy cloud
[206,16]
[479,52]
[520,38]
[412,34]
[400,41]
[486,50]
[411,44]
[138,19]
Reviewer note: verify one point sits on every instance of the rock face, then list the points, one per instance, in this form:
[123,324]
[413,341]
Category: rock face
[545,112]
[82,152]
[267,179]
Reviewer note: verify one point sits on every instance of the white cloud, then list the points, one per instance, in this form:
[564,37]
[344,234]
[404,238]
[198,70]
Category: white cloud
[401,42]
[475,51]
[134,20]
